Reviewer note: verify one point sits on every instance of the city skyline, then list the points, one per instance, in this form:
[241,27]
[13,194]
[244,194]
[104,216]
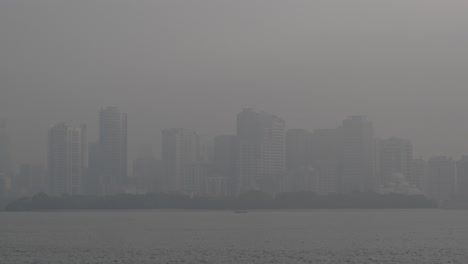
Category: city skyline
[93,135]
[261,154]
[223,131]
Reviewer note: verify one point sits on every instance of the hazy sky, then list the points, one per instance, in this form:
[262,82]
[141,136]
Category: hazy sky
[197,63]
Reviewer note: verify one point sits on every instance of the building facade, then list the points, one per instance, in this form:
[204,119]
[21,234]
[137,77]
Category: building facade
[5,162]
[462,178]
[93,184]
[297,149]
[147,176]
[395,159]
[441,180]
[261,160]
[358,160]
[180,158]
[113,150]
[66,159]
[30,180]
[418,174]
[225,162]
[326,150]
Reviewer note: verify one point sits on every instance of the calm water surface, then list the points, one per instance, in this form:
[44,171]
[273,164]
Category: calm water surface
[354,236]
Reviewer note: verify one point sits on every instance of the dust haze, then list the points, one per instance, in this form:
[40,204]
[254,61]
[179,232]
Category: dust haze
[196,64]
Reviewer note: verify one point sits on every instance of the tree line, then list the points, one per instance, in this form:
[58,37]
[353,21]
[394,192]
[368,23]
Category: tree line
[247,200]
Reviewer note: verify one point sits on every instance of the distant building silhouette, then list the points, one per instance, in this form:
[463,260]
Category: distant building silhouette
[180,157]
[5,162]
[326,144]
[66,159]
[225,160]
[93,183]
[418,174]
[297,149]
[326,159]
[358,169]
[211,182]
[147,174]
[205,149]
[395,158]
[261,161]
[30,180]
[441,180]
[113,149]
[462,178]
[300,175]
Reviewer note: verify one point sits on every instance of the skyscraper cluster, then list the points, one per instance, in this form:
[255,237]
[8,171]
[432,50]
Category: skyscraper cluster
[261,155]
[100,168]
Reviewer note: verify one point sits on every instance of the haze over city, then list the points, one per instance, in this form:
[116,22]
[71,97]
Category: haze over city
[233,131]
[196,64]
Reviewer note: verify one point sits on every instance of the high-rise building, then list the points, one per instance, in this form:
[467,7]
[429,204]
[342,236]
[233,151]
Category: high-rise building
[205,149]
[2,185]
[147,172]
[395,158]
[5,165]
[180,158]
[376,162]
[297,149]
[326,174]
[299,176]
[225,160]
[462,178]
[441,180]
[93,180]
[66,159]
[418,174]
[326,148]
[261,162]
[30,180]
[214,185]
[113,149]
[326,144]
[358,168]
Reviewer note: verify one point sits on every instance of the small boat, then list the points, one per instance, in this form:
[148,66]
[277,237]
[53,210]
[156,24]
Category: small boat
[241,211]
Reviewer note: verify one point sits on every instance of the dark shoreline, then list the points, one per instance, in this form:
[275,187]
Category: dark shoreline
[247,201]
[344,210]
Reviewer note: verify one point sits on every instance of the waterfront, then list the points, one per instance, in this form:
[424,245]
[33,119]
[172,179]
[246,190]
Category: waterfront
[316,236]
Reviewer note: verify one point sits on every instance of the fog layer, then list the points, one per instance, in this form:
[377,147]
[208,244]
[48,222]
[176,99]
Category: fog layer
[195,64]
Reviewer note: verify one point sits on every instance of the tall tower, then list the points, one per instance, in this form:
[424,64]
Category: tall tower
[113,149]
[358,173]
[261,162]
[180,157]
[66,159]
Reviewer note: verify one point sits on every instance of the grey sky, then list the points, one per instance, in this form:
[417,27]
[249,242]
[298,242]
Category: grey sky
[196,63]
